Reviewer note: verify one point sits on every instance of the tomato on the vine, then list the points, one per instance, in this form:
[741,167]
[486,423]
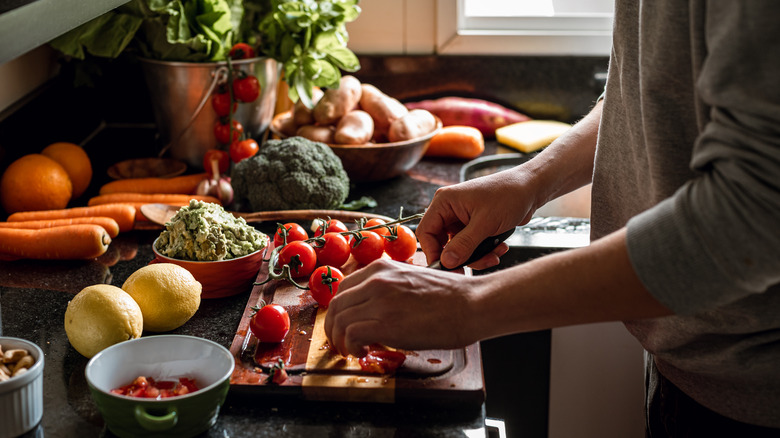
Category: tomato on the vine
[221,104]
[270,323]
[246,88]
[324,284]
[300,257]
[368,248]
[401,243]
[242,51]
[382,231]
[331,249]
[294,232]
[242,149]
[222,159]
[331,226]
[222,131]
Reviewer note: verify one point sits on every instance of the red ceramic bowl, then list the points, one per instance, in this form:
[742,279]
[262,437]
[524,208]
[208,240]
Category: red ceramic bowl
[221,278]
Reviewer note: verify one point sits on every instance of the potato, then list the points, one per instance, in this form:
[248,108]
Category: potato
[322,134]
[286,125]
[336,102]
[301,114]
[415,124]
[382,108]
[356,127]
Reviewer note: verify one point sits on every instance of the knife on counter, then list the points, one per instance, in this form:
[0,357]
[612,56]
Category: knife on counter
[480,251]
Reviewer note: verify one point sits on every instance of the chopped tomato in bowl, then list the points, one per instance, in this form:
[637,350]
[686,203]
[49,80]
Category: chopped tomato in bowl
[147,387]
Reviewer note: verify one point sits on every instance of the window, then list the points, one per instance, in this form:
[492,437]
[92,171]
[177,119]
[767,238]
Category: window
[528,27]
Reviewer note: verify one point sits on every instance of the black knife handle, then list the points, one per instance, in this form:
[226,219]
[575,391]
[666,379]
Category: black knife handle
[483,249]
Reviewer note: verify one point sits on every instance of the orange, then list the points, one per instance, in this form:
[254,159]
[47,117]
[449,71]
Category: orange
[75,161]
[35,182]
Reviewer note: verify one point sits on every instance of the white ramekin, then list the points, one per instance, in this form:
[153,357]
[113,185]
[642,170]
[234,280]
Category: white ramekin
[21,397]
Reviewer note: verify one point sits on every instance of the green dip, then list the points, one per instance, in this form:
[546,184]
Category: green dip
[204,231]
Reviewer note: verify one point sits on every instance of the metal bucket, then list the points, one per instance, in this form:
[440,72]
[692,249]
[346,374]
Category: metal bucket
[180,94]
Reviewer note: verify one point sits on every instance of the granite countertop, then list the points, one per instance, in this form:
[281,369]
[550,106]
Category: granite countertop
[35,294]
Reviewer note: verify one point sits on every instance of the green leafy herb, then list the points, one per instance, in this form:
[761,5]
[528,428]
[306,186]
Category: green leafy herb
[309,38]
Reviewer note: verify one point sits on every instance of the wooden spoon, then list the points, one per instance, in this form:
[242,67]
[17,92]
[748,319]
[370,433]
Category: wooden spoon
[162,213]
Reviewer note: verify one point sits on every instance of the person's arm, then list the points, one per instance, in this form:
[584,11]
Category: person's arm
[486,206]
[410,307]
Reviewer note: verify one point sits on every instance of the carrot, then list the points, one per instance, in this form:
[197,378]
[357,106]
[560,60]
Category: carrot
[109,224]
[481,114]
[124,215]
[68,242]
[456,142]
[148,198]
[179,184]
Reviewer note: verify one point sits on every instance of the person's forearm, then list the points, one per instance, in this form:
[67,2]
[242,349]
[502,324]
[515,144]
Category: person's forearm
[591,284]
[567,164]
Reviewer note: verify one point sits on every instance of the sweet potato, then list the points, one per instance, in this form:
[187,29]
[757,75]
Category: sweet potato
[356,127]
[336,102]
[415,124]
[481,114]
[301,114]
[382,108]
[456,142]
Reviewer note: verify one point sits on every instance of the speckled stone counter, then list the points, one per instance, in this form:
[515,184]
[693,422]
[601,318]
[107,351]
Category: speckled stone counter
[113,121]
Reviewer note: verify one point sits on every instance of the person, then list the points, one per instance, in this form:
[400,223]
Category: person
[684,156]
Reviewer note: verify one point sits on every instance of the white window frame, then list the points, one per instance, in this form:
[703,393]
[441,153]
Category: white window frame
[573,35]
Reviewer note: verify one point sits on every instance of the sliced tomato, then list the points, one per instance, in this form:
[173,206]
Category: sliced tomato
[382,361]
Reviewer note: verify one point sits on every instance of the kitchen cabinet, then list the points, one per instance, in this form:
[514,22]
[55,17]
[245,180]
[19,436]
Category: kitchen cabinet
[27,24]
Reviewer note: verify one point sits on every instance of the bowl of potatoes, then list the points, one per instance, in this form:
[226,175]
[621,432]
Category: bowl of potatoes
[375,135]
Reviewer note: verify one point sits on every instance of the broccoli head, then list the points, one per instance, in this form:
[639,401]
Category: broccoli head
[291,174]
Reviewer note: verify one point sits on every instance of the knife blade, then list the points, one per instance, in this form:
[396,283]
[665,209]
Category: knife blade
[480,251]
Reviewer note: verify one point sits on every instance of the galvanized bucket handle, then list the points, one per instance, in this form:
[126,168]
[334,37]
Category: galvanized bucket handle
[219,75]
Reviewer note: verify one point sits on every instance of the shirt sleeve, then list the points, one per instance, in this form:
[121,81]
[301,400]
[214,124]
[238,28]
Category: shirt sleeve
[718,236]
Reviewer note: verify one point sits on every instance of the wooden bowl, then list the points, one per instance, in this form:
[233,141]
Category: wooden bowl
[374,161]
[147,168]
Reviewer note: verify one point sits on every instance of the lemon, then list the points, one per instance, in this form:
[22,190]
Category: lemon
[100,316]
[167,294]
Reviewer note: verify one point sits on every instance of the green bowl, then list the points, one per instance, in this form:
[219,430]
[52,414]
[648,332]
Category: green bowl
[164,357]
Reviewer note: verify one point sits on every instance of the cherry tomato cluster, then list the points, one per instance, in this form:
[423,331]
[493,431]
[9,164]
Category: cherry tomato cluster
[239,88]
[320,258]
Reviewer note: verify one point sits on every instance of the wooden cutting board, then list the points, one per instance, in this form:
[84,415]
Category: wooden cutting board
[316,372]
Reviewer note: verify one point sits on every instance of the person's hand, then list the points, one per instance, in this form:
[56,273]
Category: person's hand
[463,215]
[403,306]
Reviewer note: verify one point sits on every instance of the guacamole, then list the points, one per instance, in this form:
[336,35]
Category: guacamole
[204,231]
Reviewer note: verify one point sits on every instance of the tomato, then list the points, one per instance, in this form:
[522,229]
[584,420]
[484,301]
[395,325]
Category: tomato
[222,131]
[221,157]
[383,231]
[294,232]
[300,257]
[382,361]
[221,104]
[401,244]
[270,323]
[332,250]
[324,284]
[242,51]
[369,248]
[240,150]
[147,387]
[331,226]
[246,88]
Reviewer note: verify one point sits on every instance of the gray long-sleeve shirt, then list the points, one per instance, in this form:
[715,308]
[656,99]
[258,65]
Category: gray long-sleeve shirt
[689,158]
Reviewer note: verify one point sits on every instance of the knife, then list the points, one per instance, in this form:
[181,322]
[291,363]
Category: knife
[481,250]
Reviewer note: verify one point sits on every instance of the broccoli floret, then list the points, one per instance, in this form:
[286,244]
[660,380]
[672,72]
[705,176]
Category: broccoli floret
[291,174]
